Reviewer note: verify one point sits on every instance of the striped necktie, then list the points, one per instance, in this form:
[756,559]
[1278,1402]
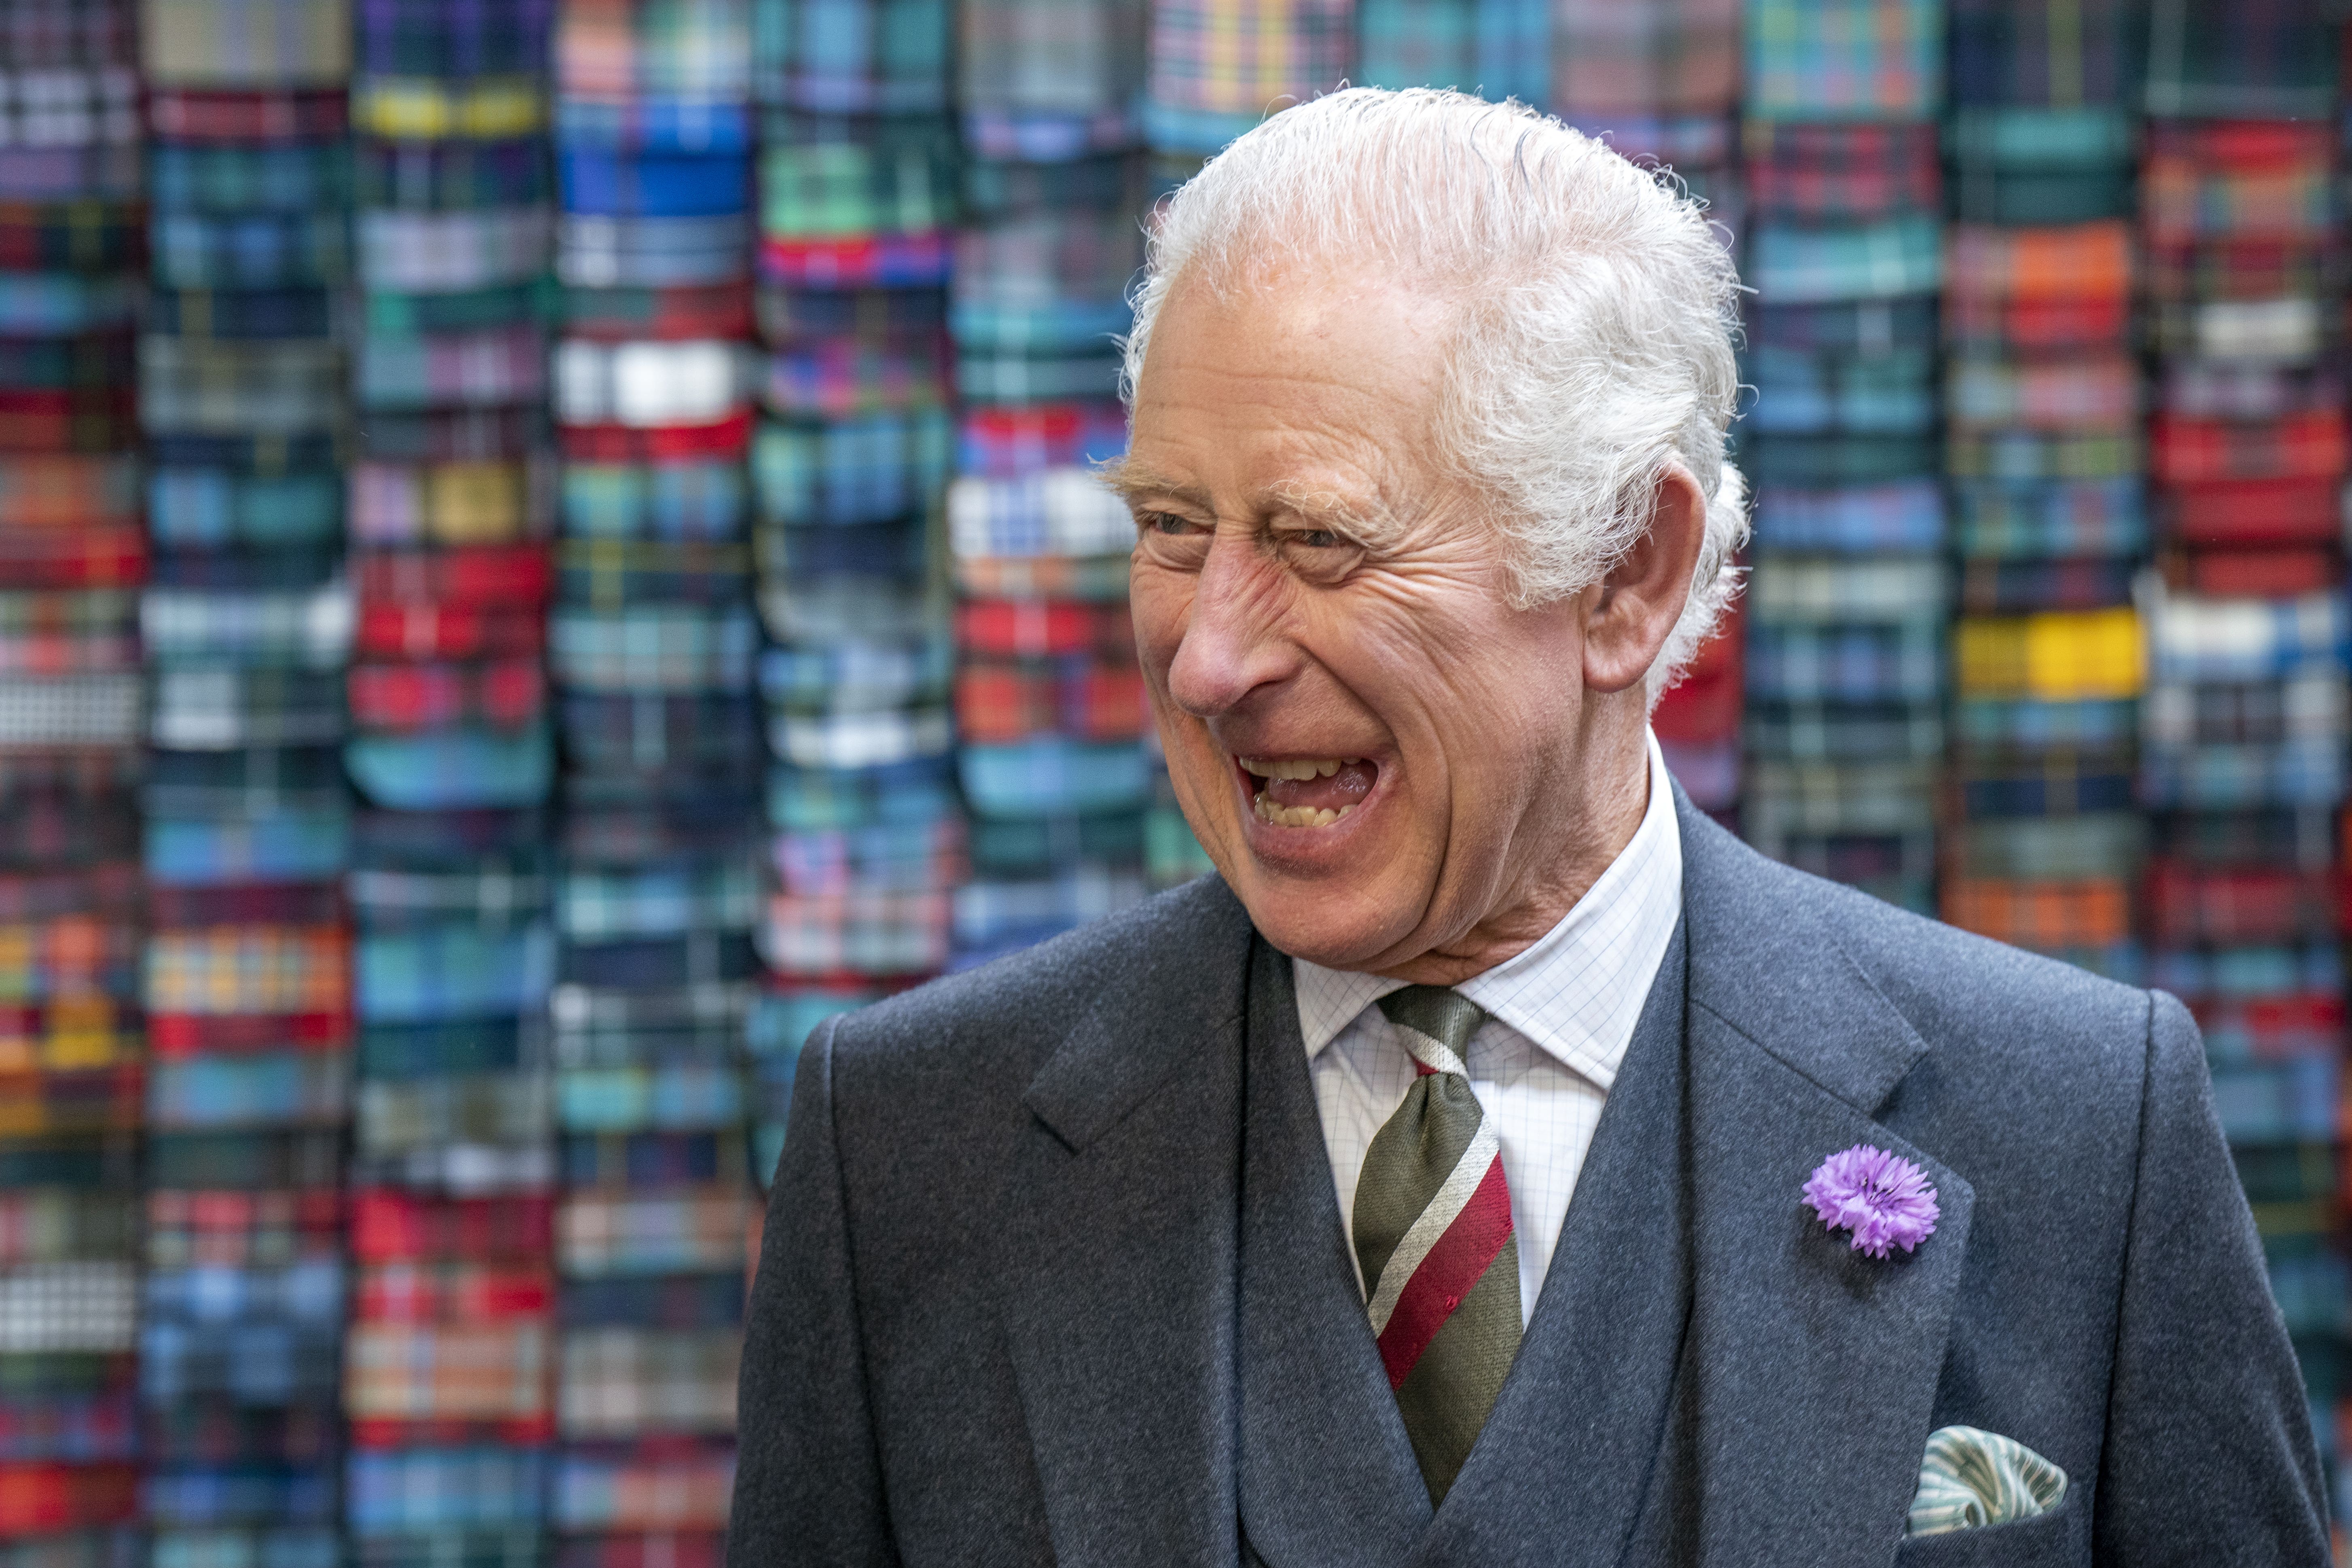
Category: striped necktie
[1433,1237]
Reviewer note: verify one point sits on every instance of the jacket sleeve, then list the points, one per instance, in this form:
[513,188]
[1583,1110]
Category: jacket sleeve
[808,1479]
[2208,1454]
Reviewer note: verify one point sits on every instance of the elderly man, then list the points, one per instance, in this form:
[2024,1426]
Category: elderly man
[1496,1163]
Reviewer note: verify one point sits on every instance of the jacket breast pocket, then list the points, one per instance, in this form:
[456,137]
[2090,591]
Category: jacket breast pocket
[2061,1536]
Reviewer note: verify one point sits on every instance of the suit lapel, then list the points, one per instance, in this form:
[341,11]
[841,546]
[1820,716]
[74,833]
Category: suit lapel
[1558,1475]
[1327,1474]
[1803,1405]
[1119,1255]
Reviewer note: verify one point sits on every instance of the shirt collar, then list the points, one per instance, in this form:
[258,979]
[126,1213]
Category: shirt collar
[1578,991]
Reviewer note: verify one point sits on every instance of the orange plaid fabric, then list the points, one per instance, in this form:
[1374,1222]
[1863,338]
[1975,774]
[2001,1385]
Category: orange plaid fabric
[249,969]
[451,1372]
[2092,912]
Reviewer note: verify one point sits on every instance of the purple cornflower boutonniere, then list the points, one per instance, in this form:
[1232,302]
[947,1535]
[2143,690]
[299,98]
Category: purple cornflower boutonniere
[1883,1198]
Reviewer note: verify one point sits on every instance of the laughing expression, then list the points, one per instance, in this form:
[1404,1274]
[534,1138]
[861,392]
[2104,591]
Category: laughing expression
[1374,746]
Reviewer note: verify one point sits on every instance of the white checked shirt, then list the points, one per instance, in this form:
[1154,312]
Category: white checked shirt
[1560,1016]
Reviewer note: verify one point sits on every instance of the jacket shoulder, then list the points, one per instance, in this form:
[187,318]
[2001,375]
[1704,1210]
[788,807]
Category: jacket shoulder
[1943,978]
[1987,1012]
[1016,1008]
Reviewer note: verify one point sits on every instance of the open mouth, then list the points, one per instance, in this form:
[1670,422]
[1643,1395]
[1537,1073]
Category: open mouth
[1308,791]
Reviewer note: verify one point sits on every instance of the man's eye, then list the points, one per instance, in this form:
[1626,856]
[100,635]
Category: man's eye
[1312,538]
[1166,522]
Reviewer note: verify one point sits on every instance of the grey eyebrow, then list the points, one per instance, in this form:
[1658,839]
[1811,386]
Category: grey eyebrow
[1375,526]
[1128,479]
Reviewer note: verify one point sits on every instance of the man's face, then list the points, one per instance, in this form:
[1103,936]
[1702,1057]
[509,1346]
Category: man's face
[1369,741]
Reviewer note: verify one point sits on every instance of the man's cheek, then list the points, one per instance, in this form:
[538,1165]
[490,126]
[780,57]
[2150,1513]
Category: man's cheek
[1158,610]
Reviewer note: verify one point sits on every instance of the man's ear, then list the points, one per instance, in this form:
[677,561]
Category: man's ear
[1642,598]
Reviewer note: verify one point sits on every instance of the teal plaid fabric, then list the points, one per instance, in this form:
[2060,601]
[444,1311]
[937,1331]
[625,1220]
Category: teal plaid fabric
[1971,1478]
[869,469]
[1844,59]
[248,250]
[852,56]
[1792,266]
[298,177]
[2254,59]
[1495,49]
[1800,393]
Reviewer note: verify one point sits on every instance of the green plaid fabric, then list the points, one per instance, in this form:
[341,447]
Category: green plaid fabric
[820,187]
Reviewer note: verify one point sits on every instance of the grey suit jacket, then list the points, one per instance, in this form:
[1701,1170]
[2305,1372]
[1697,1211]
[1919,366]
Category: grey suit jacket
[1054,1272]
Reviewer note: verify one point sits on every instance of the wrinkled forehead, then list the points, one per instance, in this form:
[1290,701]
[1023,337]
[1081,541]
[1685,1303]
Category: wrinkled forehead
[1332,323]
[1336,361]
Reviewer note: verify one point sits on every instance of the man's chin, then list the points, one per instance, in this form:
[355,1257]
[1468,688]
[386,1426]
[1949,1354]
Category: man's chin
[1333,926]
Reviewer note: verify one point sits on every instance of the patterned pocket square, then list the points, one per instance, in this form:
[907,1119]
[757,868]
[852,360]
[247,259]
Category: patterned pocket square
[1971,1478]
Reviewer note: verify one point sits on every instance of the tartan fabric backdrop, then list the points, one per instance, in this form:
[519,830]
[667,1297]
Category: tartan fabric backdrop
[555,708]
[233,43]
[76,1086]
[1843,59]
[1049,78]
[1675,57]
[1217,66]
[1495,49]
[2261,60]
[856,57]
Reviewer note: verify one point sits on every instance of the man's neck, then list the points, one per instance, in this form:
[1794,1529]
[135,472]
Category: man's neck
[1610,811]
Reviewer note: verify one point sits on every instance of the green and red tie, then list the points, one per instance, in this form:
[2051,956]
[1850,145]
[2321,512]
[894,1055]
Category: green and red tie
[1433,1236]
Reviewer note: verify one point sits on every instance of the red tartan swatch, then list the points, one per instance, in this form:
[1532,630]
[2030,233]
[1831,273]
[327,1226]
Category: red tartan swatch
[389,1226]
[395,630]
[41,1500]
[2300,446]
[500,574]
[728,438]
[1030,628]
[2241,906]
[193,115]
[417,697]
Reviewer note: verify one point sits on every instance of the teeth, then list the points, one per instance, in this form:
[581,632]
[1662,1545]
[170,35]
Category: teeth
[1296,767]
[1296,815]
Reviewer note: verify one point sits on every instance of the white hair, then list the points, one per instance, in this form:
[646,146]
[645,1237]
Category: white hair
[1594,354]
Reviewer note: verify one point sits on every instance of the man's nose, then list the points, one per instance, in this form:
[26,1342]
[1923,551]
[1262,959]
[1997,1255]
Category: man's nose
[1232,643]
